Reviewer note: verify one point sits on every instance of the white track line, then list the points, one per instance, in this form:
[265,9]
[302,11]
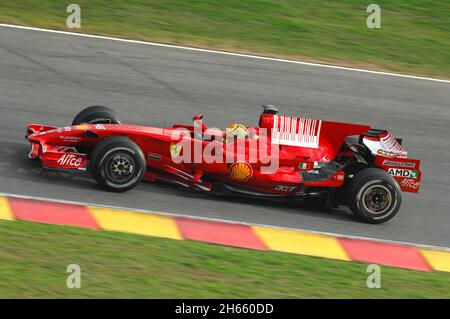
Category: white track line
[223,52]
[192,216]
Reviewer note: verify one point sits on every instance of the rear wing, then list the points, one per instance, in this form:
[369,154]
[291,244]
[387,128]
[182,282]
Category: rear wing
[392,157]
[405,170]
[382,142]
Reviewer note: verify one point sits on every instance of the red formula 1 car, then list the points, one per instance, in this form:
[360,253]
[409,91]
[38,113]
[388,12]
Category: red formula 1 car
[283,157]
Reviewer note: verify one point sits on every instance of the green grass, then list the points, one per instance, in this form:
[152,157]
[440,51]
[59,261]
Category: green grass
[414,38]
[34,257]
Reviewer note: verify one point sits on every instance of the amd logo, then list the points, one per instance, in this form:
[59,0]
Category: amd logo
[70,160]
[403,172]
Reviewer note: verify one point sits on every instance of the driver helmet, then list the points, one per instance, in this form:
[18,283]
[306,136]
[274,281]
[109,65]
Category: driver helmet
[236,130]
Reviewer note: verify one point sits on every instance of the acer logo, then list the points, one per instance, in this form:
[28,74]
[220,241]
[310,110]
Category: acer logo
[70,160]
[283,188]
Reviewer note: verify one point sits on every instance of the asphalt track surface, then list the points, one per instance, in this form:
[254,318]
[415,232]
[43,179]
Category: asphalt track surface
[48,78]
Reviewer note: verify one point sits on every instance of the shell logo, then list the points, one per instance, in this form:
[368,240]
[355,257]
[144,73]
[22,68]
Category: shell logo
[241,171]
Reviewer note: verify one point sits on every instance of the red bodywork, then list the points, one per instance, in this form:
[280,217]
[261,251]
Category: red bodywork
[303,145]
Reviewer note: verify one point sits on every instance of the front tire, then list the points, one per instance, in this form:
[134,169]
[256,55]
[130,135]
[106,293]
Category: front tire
[117,164]
[374,196]
[97,114]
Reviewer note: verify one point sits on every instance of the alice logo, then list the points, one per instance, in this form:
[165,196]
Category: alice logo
[241,172]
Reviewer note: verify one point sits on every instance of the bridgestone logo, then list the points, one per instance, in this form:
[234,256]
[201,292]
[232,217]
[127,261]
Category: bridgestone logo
[401,164]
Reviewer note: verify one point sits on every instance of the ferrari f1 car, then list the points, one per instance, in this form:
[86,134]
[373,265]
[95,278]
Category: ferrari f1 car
[346,164]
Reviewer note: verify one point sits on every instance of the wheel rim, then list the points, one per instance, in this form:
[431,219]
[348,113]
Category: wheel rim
[377,199]
[120,168]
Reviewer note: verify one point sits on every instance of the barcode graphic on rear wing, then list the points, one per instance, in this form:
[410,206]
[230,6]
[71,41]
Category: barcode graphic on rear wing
[296,131]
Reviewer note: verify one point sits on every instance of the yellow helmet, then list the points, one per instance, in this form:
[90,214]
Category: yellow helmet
[236,130]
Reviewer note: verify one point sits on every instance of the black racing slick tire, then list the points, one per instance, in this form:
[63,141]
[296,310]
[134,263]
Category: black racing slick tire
[117,164]
[97,114]
[374,196]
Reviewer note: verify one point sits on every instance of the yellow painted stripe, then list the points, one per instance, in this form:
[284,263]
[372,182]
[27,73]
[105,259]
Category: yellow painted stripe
[137,223]
[5,209]
[301,243]
[438,260]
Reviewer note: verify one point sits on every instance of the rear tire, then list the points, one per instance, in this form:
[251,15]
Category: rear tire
[97,114]
[374,196]
[117,164]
